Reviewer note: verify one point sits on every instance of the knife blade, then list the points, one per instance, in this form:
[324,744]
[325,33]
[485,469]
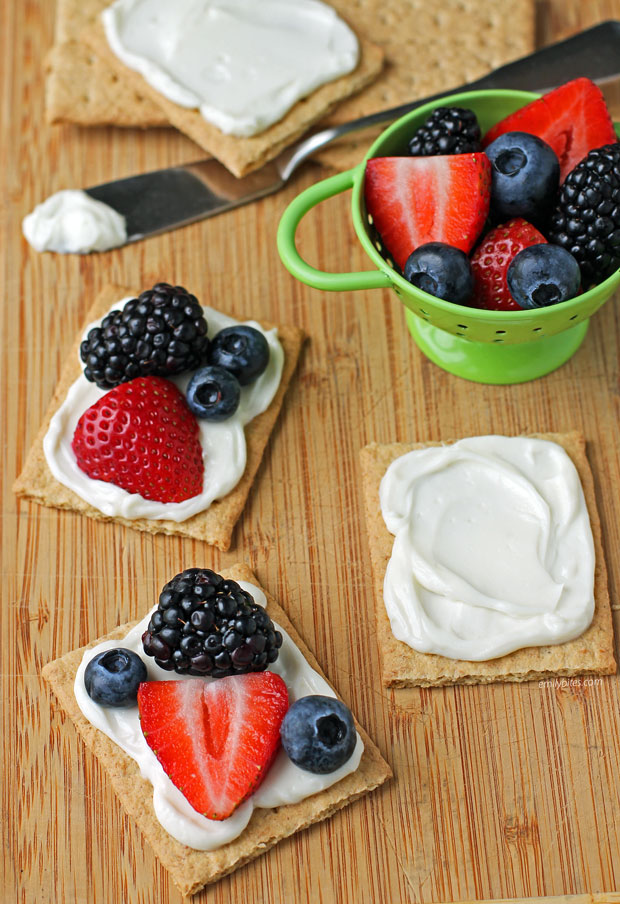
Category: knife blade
[165,199]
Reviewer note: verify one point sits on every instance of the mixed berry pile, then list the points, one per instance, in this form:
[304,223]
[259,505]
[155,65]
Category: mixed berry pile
[524,217]
[143,434]
[217,739]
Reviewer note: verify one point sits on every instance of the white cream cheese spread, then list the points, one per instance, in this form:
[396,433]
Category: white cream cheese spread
[242,63]
[223,443]
[493,548]
[285,783]
[72,222]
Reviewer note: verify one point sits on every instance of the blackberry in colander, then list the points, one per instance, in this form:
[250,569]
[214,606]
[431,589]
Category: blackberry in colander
[448,130]
[209,626]
[160,333]
[586,220]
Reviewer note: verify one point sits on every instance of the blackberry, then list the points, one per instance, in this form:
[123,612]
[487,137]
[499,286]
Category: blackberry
[448,130]
[160,333]
[206,625]
[586,220]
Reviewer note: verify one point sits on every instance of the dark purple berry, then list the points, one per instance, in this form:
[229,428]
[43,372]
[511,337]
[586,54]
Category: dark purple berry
[160,333]
[205,625]
[448,130]
[586,219]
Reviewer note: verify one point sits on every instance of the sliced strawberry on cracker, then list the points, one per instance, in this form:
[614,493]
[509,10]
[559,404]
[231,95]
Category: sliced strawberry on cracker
[573,119]
[491,260]
[216,741]
[415,200]
[141,436]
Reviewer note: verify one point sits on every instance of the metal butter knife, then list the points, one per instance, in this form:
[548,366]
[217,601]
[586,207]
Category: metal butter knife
[166,199]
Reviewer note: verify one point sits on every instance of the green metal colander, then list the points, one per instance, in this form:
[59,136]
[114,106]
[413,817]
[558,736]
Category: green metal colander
[485,346]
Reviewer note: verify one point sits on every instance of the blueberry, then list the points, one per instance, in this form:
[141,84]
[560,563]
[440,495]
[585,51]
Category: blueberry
[542,275]
[213,393]
[440,270]
[242,350]
[318,734]
[112,678]
[525,174]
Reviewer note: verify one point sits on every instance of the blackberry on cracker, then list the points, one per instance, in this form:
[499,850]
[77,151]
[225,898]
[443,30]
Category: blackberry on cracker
[448,130]
[586,219]
[160,333]
[208,626]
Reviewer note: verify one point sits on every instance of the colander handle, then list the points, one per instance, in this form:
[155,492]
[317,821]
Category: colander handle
[294,213]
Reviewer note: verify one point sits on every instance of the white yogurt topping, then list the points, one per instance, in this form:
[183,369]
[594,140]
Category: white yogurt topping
[223,443]
[285,783]
[493,549]
[242,63]
[72,222]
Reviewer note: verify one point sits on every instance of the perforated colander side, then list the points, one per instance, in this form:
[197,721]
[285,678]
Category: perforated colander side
[499,327]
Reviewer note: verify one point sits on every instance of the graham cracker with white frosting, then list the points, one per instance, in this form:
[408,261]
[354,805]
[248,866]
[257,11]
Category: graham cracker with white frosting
[590,654]
[191,870]
[214,525]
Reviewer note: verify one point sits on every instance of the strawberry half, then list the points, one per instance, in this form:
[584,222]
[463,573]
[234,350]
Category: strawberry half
[141,436]
[215,741]
[415,200]
[491,260]
[573,119]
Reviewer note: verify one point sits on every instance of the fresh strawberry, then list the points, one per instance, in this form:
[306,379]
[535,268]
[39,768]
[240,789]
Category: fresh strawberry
[142,437]
[215,741]
[573,119]
[415,200]
[491,260]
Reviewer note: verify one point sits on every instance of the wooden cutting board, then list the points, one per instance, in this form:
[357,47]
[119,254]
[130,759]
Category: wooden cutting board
[499,792]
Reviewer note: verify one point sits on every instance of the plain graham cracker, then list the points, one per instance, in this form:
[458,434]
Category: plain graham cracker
[79,87]
[214,525]
[429,48]
[243,155]
[590,654]
[191,870]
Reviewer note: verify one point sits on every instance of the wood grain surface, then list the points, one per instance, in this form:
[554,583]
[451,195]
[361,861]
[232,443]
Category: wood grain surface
[499,792]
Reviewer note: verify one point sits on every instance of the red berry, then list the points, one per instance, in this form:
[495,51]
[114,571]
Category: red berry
[415,200]
[573,119]
[491,261]
[215,741]
[141,436]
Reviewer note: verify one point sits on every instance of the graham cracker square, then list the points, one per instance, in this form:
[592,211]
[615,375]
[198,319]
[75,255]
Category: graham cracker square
[79,87]
[590,654]
[450,43]
[214,525]
[242,155]
[191,870]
